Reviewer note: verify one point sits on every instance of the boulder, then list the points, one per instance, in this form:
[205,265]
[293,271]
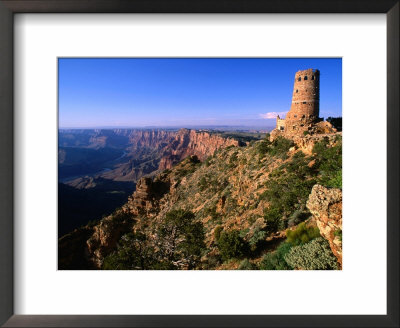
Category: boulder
[325,204]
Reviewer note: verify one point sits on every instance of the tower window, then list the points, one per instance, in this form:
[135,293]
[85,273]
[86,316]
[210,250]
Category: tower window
[297,91]
[299,79]
[305,78]
[312,77]
[295,116]
[304,102]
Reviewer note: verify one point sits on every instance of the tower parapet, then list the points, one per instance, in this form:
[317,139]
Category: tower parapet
[304,110]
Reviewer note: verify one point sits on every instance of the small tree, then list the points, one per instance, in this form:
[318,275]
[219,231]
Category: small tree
[231,245]
[181,238]
[133,253]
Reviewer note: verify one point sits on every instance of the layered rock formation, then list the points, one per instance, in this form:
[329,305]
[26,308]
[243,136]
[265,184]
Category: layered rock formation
[190,142]
[325,204]
[306,143]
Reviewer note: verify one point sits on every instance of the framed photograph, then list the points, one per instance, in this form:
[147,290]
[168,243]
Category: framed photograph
[199,164]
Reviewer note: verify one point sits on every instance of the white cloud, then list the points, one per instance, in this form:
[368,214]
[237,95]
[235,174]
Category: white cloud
[271,115]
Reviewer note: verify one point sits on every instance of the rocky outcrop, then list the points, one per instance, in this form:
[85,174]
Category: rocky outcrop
[306,140]
[146,194]
[325,204]
[189,143]
[306,143]
[324,127]
[106,236]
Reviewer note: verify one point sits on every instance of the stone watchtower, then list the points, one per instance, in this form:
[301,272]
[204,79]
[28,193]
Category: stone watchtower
[304,111]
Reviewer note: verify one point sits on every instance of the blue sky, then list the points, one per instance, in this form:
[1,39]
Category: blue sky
[166,92]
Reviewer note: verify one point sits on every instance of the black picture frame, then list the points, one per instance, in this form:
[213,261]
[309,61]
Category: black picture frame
[10,7]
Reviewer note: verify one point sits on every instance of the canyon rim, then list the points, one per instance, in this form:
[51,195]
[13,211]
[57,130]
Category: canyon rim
[200,164]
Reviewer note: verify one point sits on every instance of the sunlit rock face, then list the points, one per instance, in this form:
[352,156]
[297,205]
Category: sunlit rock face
[325,204]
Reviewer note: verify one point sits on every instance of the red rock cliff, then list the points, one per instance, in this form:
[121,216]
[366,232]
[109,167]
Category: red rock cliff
[189,142]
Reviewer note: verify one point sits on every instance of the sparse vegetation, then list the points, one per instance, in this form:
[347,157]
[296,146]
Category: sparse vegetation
[329,162]
[230,212]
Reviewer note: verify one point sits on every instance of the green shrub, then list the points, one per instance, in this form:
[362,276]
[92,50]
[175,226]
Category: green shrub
[273,220]
[280,146]
[217,232]
[212,211]
[306,133]
[297,217]
[202,183]
[338,233]
[302,234]
[315,255]
[244,232]
[247,265]
[329,162]
[275,260]
[263,147]
[257,238]
[336,180]
[233,159]
[231,245]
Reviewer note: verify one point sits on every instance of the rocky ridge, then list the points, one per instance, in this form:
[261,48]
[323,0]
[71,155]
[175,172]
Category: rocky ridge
[225,191]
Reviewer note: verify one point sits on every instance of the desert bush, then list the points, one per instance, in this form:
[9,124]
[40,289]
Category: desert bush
[302,234]
[336,180]
[212,262]
[257,238]
[247,265]
[315,255]
[217,232]
[263,147]
[208,161]
[276,260]
[233,159]
[273,220]
[231,245]
[297,217]
[329,162]
[338,233]
[280,146]
[202,184]
[212,211]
